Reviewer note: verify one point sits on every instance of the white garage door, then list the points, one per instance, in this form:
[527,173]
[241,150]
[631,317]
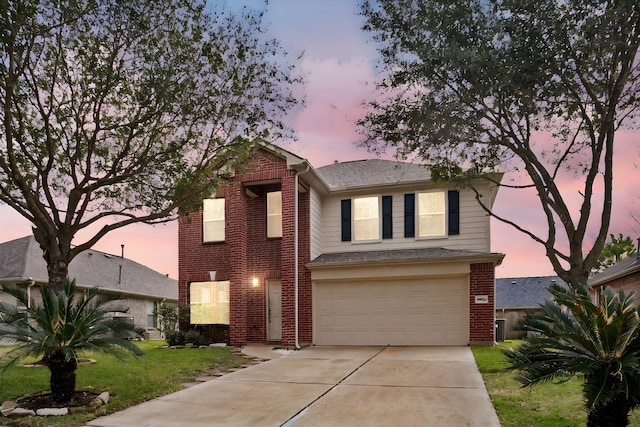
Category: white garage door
[400,312]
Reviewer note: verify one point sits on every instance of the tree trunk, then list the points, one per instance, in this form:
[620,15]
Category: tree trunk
[614,414]
[56,251]
[63,377]
[58,271]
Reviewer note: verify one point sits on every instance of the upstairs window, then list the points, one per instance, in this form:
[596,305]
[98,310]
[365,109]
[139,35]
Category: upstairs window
[274,214]
[213,220]
[366,218]
[432,214]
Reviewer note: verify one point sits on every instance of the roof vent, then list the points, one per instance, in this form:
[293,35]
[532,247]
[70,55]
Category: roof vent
[513,282]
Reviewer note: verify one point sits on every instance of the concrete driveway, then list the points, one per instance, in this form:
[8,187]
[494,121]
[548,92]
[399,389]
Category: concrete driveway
[331,386]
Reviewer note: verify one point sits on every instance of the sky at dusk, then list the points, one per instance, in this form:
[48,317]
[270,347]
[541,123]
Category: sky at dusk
[339,64]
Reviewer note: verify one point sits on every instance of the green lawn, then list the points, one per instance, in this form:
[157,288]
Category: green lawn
[159,372]
[545,405]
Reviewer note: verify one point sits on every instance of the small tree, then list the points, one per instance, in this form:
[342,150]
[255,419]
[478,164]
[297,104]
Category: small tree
[572,336]
[61,326]
[167,315]
[613,252]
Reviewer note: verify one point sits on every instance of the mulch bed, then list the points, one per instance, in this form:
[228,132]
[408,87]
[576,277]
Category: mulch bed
[81,398]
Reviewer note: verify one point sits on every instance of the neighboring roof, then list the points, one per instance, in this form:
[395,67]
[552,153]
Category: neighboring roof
[524,292]
[622,268]
[22,258]
[400,256]
[372,172]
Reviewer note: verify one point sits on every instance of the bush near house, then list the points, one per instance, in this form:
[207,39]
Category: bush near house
[175,338]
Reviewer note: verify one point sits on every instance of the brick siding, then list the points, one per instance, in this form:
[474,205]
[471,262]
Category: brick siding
[247,253]
[482,316]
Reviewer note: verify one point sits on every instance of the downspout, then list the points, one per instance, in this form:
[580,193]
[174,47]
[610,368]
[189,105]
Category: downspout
[30,285]
[295,250]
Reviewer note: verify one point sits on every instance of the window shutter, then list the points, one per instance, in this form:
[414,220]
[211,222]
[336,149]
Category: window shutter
[454,212]
[409,215]
[387,218]
[345,215]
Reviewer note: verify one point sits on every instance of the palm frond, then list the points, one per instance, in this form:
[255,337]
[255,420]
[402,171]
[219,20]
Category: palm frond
[65,323]
[570,335]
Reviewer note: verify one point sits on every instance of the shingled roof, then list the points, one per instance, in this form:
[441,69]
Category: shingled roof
[524,292]
[400,256]
[372,172]
[627,266]
[22,258]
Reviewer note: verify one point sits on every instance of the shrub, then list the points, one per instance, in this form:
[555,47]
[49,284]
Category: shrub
[175,337]
[194,337]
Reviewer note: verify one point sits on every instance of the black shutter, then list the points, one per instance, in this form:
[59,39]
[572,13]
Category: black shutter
[387,218]
[454,212]
[345,215]
[409,215]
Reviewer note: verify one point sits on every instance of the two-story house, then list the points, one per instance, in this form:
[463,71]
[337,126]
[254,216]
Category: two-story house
[365,252]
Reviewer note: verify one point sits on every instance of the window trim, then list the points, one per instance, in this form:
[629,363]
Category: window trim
[445,213]
[223,220]
[216,301]
[379,219]
[270,216]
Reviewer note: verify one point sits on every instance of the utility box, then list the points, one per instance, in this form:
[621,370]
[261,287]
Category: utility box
[125,334]
[500,329]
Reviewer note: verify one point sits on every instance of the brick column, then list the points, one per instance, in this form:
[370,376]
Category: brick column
[482,316]
[304,278]
[236,219]
[287,268]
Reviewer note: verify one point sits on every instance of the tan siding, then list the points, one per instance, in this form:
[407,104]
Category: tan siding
[315,223]
[474,227]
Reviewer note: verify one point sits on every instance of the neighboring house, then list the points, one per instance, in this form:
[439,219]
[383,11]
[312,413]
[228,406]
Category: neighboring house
[144,289]
[516,295]
[367,252]
[625,274]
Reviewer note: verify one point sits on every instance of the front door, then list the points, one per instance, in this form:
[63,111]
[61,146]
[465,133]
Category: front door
[274,310]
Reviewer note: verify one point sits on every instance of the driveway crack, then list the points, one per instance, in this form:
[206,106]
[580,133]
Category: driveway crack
[291,421]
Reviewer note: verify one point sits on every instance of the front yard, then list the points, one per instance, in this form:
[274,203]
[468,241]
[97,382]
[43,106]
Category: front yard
[159,372]
[163,371]
[546,405]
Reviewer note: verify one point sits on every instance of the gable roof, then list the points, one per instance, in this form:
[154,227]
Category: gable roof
[628,265]
[524,292]
[21,259]
[372,172]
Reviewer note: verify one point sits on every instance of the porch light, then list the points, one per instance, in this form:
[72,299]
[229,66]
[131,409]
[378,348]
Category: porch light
[254,282]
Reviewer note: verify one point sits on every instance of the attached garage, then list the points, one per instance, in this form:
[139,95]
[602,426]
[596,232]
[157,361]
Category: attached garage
[392,312]
[409,297]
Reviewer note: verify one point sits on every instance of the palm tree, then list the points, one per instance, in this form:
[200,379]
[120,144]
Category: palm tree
[59,327]
[572,336]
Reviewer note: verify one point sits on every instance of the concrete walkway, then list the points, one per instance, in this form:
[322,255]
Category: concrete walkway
[329,386]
